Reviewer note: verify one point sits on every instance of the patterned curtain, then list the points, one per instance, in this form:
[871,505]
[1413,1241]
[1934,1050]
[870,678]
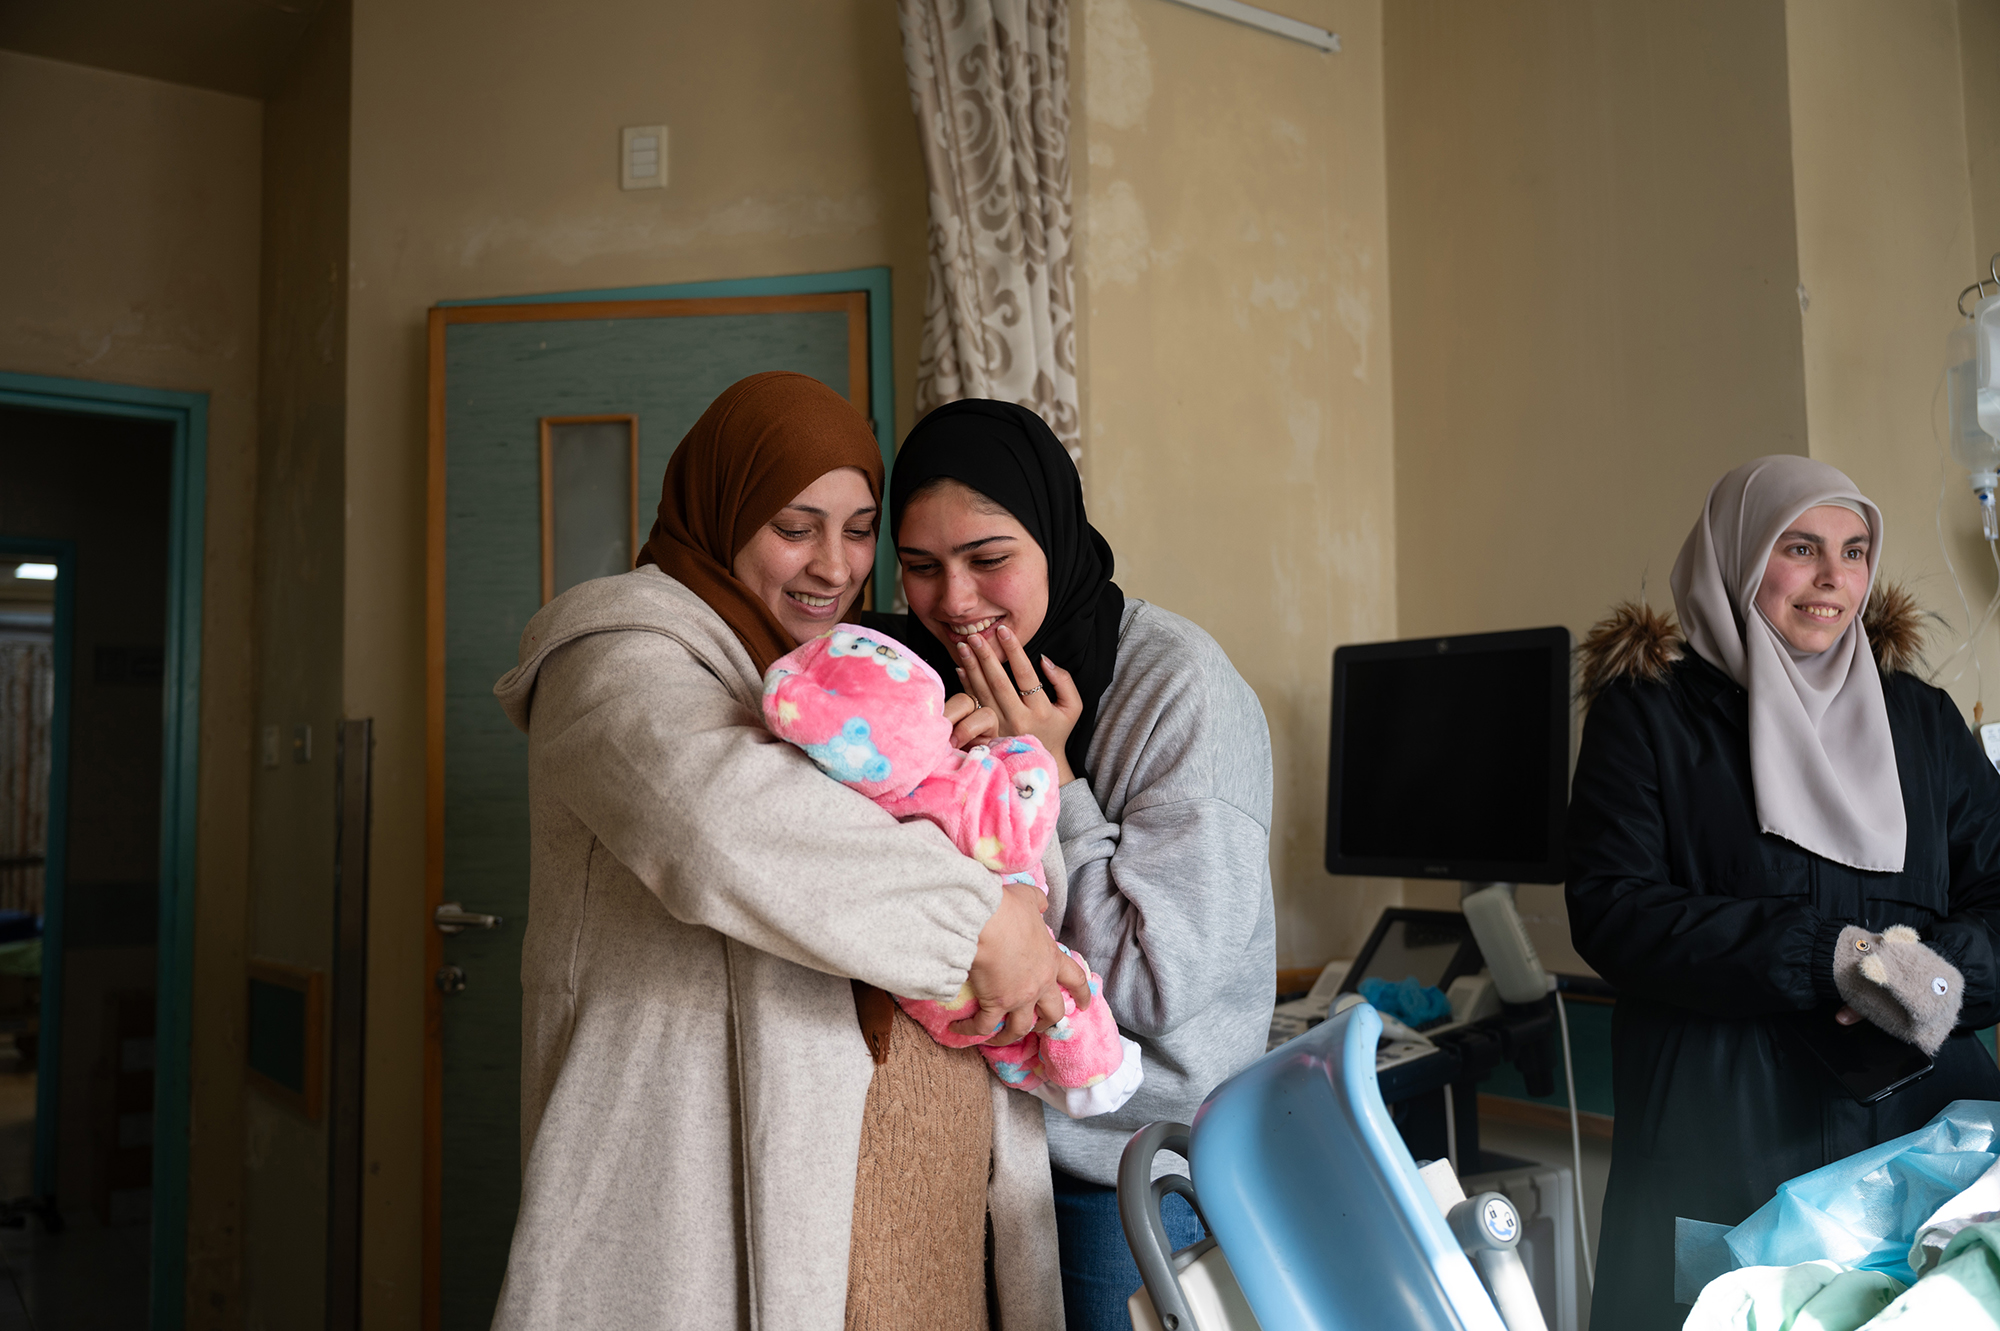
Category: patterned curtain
[27,706]
[989,81]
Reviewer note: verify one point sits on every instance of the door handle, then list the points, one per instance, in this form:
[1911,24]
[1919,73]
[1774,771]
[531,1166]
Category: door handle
[452,918]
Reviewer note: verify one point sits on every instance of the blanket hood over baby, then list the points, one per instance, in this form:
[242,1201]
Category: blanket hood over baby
[863,707]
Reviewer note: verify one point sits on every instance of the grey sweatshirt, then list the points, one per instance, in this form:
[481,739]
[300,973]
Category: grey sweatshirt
[1168,852]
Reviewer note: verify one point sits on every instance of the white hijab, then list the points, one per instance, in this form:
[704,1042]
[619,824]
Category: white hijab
[1822,760]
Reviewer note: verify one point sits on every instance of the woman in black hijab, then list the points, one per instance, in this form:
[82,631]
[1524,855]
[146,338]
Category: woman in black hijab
[1165,764]
[1009,456]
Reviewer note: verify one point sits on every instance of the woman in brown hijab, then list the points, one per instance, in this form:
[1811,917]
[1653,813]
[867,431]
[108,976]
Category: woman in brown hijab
[708,1139]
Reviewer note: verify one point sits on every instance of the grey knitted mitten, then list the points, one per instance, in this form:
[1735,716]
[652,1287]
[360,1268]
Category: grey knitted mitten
[1893,980]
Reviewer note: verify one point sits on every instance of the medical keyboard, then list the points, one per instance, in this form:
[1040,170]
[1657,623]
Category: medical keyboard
[1290,1025]
[1440,1055]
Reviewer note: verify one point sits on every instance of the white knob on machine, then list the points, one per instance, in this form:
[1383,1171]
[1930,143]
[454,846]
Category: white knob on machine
[1489,1229]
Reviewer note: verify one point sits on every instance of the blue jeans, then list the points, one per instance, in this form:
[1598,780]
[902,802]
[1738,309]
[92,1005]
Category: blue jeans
[1098,1273]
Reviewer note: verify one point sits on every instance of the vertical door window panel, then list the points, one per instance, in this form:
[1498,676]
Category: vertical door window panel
[590,513]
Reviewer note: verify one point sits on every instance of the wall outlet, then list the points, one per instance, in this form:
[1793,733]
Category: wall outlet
[642,157]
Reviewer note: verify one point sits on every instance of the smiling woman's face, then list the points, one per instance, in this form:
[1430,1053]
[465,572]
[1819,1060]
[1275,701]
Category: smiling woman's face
[1816,578]
[969,566]
[811,560]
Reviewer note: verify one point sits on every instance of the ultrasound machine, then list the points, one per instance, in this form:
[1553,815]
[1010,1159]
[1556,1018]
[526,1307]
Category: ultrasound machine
[1328,1174]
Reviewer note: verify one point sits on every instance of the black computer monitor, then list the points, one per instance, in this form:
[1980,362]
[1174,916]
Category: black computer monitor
[1450,758]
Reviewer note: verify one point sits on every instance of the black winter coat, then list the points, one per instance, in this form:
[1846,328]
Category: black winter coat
[1711,930]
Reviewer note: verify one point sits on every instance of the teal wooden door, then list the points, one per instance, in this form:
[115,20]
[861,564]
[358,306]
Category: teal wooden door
[499,375]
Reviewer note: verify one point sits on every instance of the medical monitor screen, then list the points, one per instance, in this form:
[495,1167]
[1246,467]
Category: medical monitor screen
[1433,947]
[1450,758]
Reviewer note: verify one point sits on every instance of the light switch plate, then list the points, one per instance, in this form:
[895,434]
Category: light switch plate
[642,157]
[270,746]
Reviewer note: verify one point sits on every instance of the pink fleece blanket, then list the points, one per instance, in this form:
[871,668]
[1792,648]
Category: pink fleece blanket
[871,714]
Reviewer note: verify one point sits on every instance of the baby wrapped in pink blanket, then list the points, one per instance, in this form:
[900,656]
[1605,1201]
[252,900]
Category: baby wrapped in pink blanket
[871,714]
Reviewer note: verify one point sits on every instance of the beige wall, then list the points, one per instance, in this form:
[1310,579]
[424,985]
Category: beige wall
[485,142]
[1885,231]
[300,567]
[1979,57]
[128,254]
[1236,370]
[1590,208]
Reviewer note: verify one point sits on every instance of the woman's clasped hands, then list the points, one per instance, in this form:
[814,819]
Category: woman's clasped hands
[1019,972]
[1007,689]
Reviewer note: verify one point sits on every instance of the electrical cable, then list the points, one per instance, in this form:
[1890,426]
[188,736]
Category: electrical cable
[1451,1131]
[1576,1147]
[1944,548]
[1993,548]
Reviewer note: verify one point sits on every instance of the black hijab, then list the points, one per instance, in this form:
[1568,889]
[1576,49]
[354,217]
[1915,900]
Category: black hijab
[1010,455]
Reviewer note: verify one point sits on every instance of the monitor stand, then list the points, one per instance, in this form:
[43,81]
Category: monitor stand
[1510,956]
[1466,889]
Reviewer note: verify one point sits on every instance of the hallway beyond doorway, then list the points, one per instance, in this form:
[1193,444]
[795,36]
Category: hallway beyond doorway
[111,480]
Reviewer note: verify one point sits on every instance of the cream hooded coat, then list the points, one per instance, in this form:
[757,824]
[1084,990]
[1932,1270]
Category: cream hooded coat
[692,1072]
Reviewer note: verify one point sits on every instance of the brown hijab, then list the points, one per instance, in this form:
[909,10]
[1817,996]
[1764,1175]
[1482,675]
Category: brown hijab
[761,442]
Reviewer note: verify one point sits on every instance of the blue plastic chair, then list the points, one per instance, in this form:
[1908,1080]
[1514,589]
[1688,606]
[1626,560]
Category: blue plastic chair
[1306,1186]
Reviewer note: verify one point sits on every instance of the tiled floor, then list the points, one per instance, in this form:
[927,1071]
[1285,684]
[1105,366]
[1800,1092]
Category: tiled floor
[87,1278]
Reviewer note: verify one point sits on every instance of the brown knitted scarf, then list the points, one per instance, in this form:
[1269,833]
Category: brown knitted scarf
[917,1259]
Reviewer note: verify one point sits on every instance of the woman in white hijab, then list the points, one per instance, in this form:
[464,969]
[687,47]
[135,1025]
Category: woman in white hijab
[1750,804]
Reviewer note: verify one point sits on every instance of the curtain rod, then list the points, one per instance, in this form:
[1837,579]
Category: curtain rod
[1269,22]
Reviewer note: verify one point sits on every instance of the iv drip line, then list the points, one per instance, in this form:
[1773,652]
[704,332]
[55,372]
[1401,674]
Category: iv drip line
[1972,639]
[1965,603]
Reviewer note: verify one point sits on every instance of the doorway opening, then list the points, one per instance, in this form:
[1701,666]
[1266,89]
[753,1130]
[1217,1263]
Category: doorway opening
[30,585]
[98,687]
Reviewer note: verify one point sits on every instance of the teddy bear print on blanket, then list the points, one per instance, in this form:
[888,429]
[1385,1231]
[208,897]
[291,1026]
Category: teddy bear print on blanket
[1897,983]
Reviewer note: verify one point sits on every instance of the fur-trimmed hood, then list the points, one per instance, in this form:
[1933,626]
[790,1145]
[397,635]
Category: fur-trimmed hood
[1636,641]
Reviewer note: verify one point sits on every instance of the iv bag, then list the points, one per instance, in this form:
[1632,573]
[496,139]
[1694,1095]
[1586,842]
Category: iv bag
[1986,322]
[1972,393]
[1973,397]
